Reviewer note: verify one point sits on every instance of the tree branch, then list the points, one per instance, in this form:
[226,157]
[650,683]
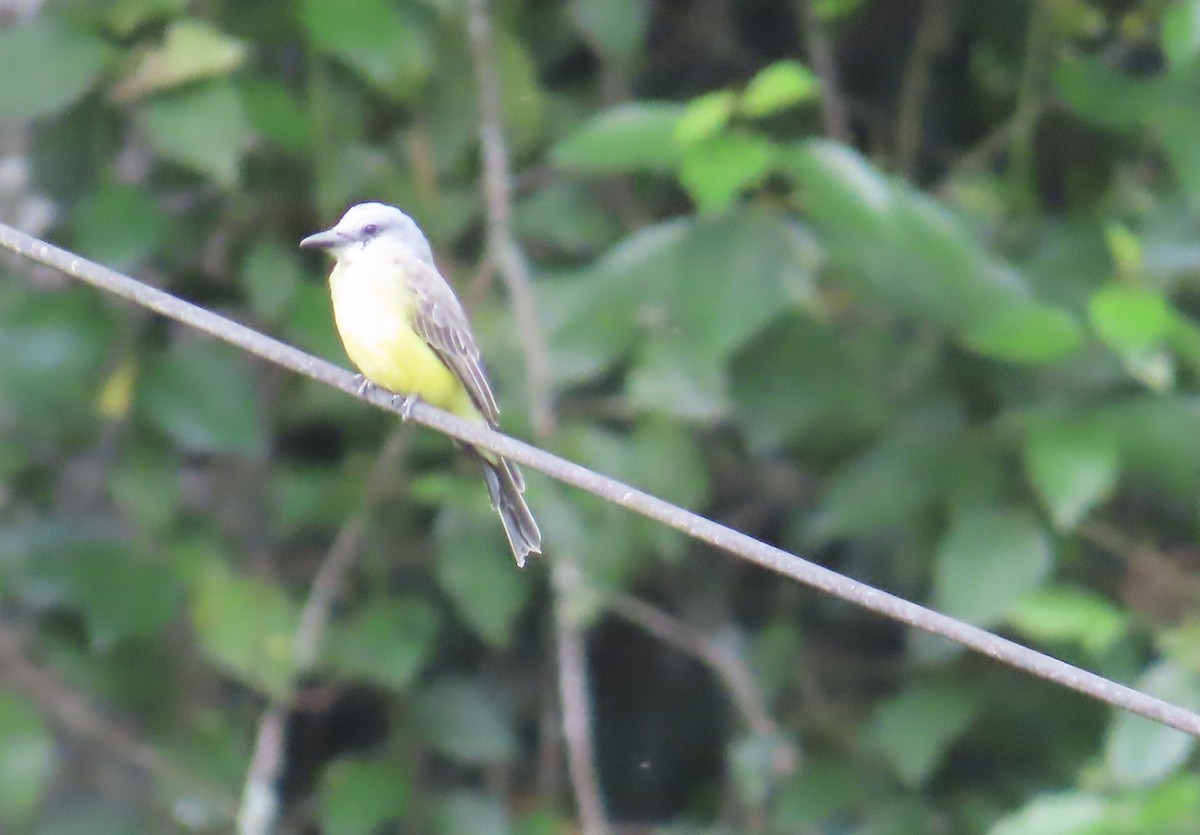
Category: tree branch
[260,805]
[835,121]
[910,122]
[693,525]
[497,195]
[510,261]
[568,584]
[67,709]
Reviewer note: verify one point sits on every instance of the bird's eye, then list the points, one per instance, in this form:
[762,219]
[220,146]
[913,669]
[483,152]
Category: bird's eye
[370,229]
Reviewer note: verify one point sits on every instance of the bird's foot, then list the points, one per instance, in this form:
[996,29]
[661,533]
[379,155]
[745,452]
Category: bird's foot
[405,404]
[362,385]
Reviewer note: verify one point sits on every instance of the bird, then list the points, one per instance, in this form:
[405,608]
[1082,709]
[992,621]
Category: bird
[406,331]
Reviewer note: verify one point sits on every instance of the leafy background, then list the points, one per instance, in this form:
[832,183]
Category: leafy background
[945,342]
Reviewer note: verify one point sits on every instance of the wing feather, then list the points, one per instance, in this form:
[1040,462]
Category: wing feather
[440,320]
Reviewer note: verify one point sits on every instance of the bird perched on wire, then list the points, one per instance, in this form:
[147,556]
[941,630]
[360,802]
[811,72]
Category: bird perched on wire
[406,331]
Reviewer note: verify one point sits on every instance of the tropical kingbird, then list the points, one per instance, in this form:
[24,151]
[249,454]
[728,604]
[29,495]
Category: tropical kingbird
[406,331]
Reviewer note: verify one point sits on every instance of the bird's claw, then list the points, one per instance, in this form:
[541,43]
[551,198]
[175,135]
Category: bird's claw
[362,385]
[404,404]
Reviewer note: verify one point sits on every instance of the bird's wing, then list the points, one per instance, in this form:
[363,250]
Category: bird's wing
[440,320]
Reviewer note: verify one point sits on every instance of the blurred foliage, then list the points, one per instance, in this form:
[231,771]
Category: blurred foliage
[956,356]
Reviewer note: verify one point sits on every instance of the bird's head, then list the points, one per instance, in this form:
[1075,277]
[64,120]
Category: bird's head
[371,224]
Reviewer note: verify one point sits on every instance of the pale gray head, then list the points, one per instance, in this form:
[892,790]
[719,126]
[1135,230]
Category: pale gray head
[369,223]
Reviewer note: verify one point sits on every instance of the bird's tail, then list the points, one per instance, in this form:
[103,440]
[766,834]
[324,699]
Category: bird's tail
[506,487]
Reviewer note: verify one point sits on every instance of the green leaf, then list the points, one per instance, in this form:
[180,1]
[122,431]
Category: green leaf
[124,17]
[202,396]
[119,226]
[566,216]
[805,380]
[475,569]
[589,315]
[453,128]
[1153,369]
[888,484]
[736,271]
[665,459]
[671,378]
[271,275]
[388,642]
[660,457]
[842,189]
[777,87]
[988,559]
[718,169]
[753,763]
[543,820]
[1125,247]
[14,457]
[830,11]
[1179,643]
[274,111]
[574,518]
[190,50]
[37,558]
[1067,813]
[54,346]
[1171,806]
[902,251]
[387,44]
[614,28]
[915,729]
[638,136]
[1062,613]
[115,399]
[1141,752]
[204,129]
[1130,319]
[522,100]
[34,84]
[773,655]
[88,817]
[124,593]
[468,813]
[1183,341]
[1073,464]
[699,287]
[247,627]
[304,496]
[1102,95]
[26,759]
[703,288]
[1155,435]
[1178,124]
[822,790]
[1025,333]
[1181,32]
[461,719]
[705,117]
[358,796]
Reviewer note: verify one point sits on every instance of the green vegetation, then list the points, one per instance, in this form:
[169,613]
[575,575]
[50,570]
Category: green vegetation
[932,323]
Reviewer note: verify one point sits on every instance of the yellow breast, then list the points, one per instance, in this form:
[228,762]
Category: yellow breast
[373,310]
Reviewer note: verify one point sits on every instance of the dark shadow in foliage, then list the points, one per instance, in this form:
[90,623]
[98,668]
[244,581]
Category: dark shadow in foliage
[661,725]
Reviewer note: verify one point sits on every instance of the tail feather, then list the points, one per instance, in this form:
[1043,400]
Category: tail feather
[506,487]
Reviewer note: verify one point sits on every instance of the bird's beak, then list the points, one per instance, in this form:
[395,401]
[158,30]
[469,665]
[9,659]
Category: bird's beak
[329,239]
